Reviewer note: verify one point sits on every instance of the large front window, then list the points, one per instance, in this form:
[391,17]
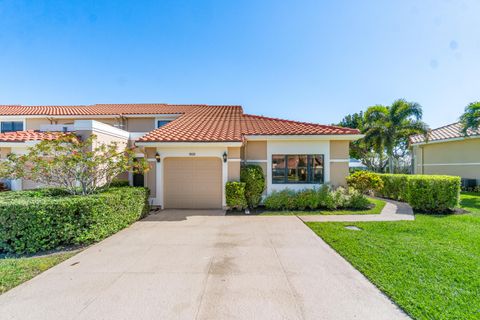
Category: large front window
[297,168]
[10,126]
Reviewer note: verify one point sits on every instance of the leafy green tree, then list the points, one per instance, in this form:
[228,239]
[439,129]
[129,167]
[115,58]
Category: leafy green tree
[79,166]
[470,119]
[388,127]
[360,149]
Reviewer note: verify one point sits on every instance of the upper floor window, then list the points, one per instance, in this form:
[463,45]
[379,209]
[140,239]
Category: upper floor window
[161,123]
[297,168]
[10,126]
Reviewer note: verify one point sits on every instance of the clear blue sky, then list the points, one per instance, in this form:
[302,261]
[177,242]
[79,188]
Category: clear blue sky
[304,60]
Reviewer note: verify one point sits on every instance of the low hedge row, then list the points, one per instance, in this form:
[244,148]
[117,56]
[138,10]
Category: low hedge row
[428,193]
[38,220]
[322,198]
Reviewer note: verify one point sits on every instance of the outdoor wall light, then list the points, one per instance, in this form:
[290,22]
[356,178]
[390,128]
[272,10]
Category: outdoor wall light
[157,157]
[225,156]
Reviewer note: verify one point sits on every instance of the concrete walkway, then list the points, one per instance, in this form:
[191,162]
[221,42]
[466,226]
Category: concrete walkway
[202,265]
[393,211]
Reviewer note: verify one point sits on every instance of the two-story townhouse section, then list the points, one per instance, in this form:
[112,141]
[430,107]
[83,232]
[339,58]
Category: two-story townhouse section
[193,150]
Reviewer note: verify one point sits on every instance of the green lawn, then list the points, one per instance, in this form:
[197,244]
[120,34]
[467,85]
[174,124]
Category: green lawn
[14,271]
[430,267]
[377,208]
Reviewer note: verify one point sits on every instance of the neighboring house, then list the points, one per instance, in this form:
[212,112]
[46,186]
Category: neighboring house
[447,151]
[193,150]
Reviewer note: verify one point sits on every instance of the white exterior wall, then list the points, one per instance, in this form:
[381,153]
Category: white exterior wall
[297,147]
[187,152]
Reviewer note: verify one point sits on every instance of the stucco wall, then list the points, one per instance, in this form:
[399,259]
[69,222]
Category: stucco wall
[233,171]
[339,149]
[140,124]
[460,158]
[255,150]
[338,173]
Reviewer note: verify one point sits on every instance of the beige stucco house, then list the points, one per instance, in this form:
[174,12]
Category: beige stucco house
[448,151]
[193,150]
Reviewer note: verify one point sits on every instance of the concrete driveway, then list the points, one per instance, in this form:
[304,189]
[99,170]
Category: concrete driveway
[189,265]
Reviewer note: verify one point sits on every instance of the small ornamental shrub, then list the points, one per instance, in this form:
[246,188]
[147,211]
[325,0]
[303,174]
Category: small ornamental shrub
[307,199]
[281,200]
[325,198]
[365,182]
[356,200]
[322,198]
[252,176]
[235,194]
[31,221]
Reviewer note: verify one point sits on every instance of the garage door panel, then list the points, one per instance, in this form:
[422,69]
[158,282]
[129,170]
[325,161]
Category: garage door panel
[193,183]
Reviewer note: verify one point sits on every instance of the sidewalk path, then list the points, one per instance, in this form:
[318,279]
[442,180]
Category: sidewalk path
[393,211]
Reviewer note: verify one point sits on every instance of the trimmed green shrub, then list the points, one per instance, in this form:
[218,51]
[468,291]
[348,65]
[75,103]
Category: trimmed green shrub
[357,200]
[117,183]
[30,224]
[307,199]
[429,193]
[365,182]
[395,186]
[325,198]
[235,194]
[322,198]
[433,193]
[281,200]
[254,180]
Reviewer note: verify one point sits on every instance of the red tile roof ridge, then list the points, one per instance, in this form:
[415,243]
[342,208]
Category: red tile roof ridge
[300,122]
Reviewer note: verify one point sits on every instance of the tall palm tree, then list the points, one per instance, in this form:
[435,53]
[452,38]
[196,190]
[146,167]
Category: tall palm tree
[470,119]
[388,127]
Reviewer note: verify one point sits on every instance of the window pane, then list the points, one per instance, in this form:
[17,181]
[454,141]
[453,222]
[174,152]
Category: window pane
[161,123]
[278,161]
[278,175]
[17,126]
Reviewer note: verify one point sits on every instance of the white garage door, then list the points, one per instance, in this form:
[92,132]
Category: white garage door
[192,183]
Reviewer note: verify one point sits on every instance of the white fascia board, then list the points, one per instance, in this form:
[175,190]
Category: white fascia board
[24,144]
[446,140]
[86,116]
[349,137]
[187,144]
[137,135]
[156,115]
[92,125]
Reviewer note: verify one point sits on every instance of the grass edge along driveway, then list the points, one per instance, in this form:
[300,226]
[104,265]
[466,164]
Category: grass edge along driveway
[14,271]
[430,267]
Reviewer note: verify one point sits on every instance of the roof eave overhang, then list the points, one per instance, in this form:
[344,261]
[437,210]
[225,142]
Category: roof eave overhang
[445,140]
[302,137]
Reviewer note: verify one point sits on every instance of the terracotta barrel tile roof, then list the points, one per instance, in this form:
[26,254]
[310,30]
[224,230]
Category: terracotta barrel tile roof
[196,123]
[451,131]
[29,135]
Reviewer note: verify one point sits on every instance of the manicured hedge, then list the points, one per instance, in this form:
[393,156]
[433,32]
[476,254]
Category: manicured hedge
[32,221]
[235,195]
[427,193]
